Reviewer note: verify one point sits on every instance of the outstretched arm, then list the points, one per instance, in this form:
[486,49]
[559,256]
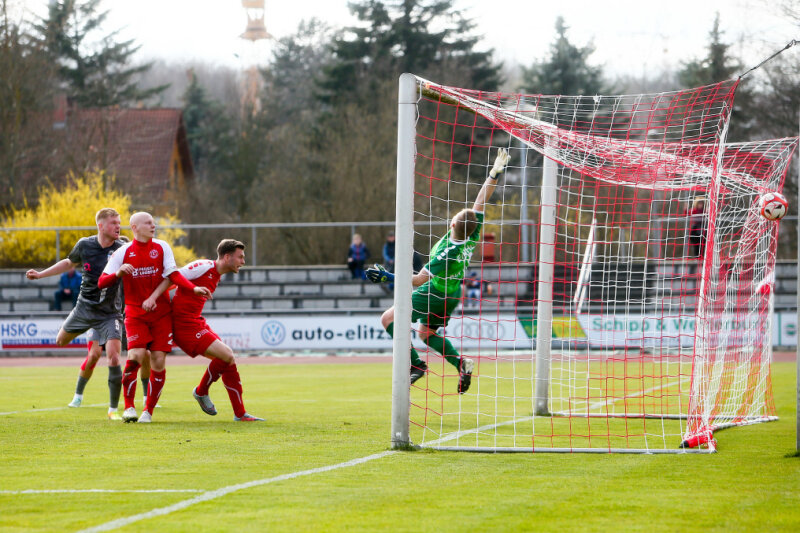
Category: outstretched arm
[178,279]
[58,268]
[489,185]
[377,274]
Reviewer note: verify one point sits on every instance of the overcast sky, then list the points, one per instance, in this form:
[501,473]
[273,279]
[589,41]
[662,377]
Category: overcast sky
[631,36]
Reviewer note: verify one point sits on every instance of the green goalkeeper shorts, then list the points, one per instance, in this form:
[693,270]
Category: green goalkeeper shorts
[432,308]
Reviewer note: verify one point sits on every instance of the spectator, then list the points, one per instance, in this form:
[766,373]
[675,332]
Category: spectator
[69,286]
[388,252]
[697,227]
[356,257]
[473,288]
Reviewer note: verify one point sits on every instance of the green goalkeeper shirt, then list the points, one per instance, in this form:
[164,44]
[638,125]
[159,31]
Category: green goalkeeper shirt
[449,260]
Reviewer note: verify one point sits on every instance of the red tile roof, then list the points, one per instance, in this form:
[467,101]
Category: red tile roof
[134,144]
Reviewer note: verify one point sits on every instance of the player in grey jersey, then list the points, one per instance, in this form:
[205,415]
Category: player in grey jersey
[98,309]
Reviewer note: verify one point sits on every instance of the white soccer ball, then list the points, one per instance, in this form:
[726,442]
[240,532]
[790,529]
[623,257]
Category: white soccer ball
[773,205]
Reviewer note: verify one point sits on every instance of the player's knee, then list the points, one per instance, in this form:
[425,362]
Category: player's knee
[227,355]
[387,317]
[63,338]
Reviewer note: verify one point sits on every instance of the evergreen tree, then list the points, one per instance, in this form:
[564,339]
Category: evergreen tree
[717,66]
[94,70]
[427,37]
[26,126]
[209,130]
[566,71]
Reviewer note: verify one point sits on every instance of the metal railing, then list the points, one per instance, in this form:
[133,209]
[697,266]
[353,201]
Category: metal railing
[253,227]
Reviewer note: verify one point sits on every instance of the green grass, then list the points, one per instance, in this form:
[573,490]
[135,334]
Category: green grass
[321,415]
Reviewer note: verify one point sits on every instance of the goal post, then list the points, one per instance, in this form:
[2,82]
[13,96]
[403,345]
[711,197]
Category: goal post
[404,244]
[643,322]
[544,311]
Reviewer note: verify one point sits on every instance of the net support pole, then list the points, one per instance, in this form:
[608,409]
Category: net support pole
[404,242]
[797,356]
[544,310]
[526,239]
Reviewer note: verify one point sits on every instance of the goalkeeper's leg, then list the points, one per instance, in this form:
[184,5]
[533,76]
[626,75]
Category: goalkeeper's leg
[387,320]
[440,345]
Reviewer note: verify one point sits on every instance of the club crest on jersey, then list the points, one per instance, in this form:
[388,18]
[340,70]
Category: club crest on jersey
[153,254]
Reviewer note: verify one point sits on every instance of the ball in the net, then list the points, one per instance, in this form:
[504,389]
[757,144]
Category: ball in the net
[773,205]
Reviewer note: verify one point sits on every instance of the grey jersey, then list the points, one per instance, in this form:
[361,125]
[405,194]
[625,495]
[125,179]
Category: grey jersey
[93,257]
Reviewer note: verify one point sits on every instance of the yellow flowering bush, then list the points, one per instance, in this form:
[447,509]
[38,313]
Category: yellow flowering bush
[75,204]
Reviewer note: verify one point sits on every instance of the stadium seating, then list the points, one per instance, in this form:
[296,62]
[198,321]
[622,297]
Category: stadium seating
[318,289]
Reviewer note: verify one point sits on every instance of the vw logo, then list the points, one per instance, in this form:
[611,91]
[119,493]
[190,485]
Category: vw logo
[273,332]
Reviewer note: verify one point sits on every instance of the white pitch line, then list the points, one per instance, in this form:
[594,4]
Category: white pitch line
[50,409]
[104,491]
[218,493]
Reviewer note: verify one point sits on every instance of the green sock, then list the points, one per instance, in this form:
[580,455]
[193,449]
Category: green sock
[443,346]
[415,360]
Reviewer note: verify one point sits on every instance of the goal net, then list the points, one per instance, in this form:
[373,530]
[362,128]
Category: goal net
[620,298]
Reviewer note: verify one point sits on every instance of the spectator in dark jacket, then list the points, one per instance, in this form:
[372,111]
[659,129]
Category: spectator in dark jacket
[388,252]
[356,257]
[68,288]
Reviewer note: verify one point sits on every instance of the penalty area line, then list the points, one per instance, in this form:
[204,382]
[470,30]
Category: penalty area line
[218,493]
[104,491]
[49,409]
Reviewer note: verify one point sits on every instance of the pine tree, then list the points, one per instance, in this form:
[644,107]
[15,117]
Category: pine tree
[26,101]
[566,71]
[429,38]
[716,66]
[209,130]
[94,70]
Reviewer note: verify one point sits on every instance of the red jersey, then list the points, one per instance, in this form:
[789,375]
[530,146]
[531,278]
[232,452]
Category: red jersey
[152,262]
[186,304]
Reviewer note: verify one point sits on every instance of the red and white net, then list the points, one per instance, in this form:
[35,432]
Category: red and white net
[661,280]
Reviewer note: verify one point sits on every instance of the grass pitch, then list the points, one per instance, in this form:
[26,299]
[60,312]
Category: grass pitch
[322,415]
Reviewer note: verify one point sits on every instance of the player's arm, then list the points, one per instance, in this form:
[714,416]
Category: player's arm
[489,185]
[54,270]
[377,274]
[150,303]
[420,279]
[178,279]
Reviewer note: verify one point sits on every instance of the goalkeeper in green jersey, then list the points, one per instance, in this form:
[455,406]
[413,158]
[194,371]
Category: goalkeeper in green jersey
[437,287]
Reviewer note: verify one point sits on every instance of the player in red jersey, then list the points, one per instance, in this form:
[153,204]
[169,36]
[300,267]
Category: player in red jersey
[193,335]
[143,264]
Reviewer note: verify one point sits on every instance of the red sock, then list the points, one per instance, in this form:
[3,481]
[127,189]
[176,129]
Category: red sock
[215,369]
[129,382]
[233,384]
[154,388]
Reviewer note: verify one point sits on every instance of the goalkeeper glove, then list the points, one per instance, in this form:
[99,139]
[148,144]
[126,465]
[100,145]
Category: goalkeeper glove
[500,163]
[378,274]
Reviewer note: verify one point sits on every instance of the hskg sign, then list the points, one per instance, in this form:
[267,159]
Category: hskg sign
[34,335]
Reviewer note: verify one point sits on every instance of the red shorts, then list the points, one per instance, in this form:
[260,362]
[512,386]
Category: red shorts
[194,337]
[153,333]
